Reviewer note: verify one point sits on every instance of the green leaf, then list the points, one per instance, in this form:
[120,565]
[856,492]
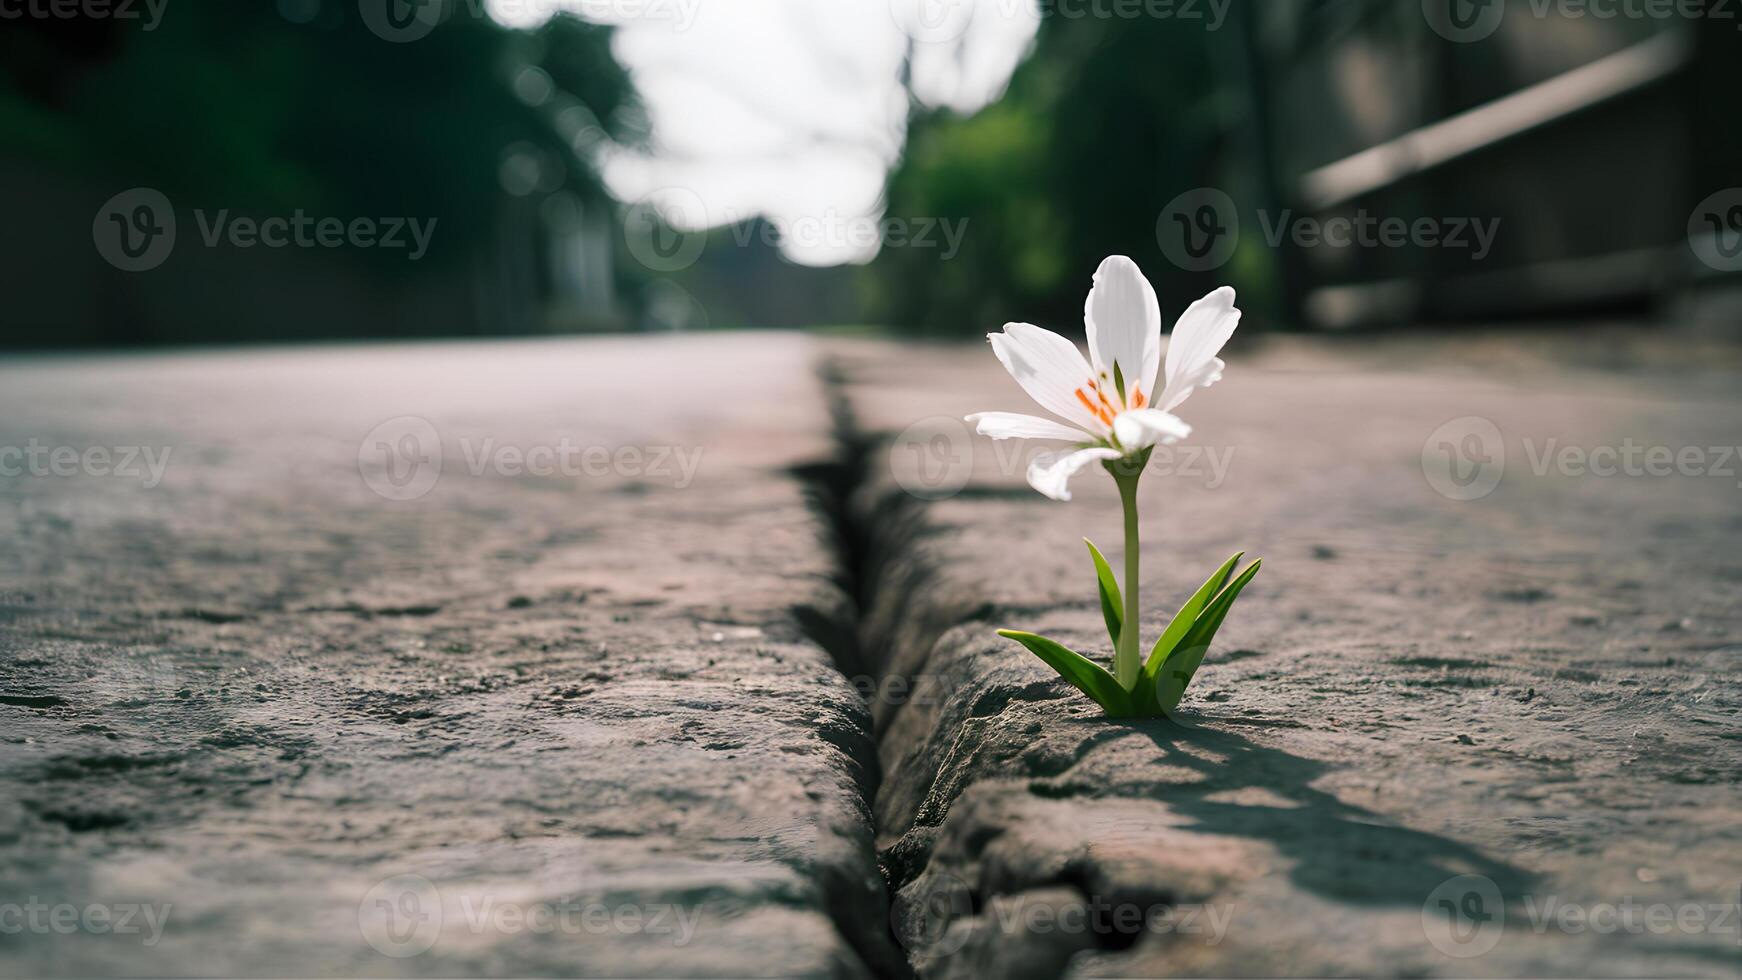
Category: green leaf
[1183,620]
[1112,605]
[1182,664]
[1083,674]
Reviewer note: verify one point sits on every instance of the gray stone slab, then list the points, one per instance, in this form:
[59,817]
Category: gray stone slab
[1537,687]
[555,715]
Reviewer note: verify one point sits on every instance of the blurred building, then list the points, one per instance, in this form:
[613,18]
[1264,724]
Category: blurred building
[1601,138]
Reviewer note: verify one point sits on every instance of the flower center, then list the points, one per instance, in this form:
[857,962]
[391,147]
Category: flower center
[1095,398]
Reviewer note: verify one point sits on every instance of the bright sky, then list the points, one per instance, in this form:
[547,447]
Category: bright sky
[793,109]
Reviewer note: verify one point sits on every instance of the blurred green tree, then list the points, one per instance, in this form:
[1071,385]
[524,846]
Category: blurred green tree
[270,108]
[1106,122]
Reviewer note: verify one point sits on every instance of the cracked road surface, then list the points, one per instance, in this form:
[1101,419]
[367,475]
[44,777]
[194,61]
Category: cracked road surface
[548,714]
[1535,685]
[508,658]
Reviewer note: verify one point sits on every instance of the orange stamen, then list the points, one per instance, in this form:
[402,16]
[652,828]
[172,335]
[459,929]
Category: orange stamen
[1094,408]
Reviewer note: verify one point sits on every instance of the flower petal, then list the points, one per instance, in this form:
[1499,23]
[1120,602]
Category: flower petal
[1049,472]
[1010,425]
[1197,338]
[1124,324]
[1147,426]
[1049,368]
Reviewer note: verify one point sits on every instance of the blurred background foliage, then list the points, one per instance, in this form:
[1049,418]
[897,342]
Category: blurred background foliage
[1102,125]
[1585,143]
[260,111]
[231,103]
[503,136]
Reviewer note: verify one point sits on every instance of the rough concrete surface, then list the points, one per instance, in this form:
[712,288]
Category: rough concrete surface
[558,713]
[538,720]
[1537,687]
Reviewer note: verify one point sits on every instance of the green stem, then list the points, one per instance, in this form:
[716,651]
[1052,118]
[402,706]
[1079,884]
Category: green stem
[1126,663]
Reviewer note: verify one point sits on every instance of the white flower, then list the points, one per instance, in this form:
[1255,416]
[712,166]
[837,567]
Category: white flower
[1109,400]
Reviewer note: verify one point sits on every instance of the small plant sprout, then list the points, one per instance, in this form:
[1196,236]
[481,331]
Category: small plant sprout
[1116,417]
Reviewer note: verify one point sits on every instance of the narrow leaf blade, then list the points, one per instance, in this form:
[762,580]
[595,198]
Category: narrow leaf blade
[1187,615]
[1083,674]
[1112,604]
[1182,665]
